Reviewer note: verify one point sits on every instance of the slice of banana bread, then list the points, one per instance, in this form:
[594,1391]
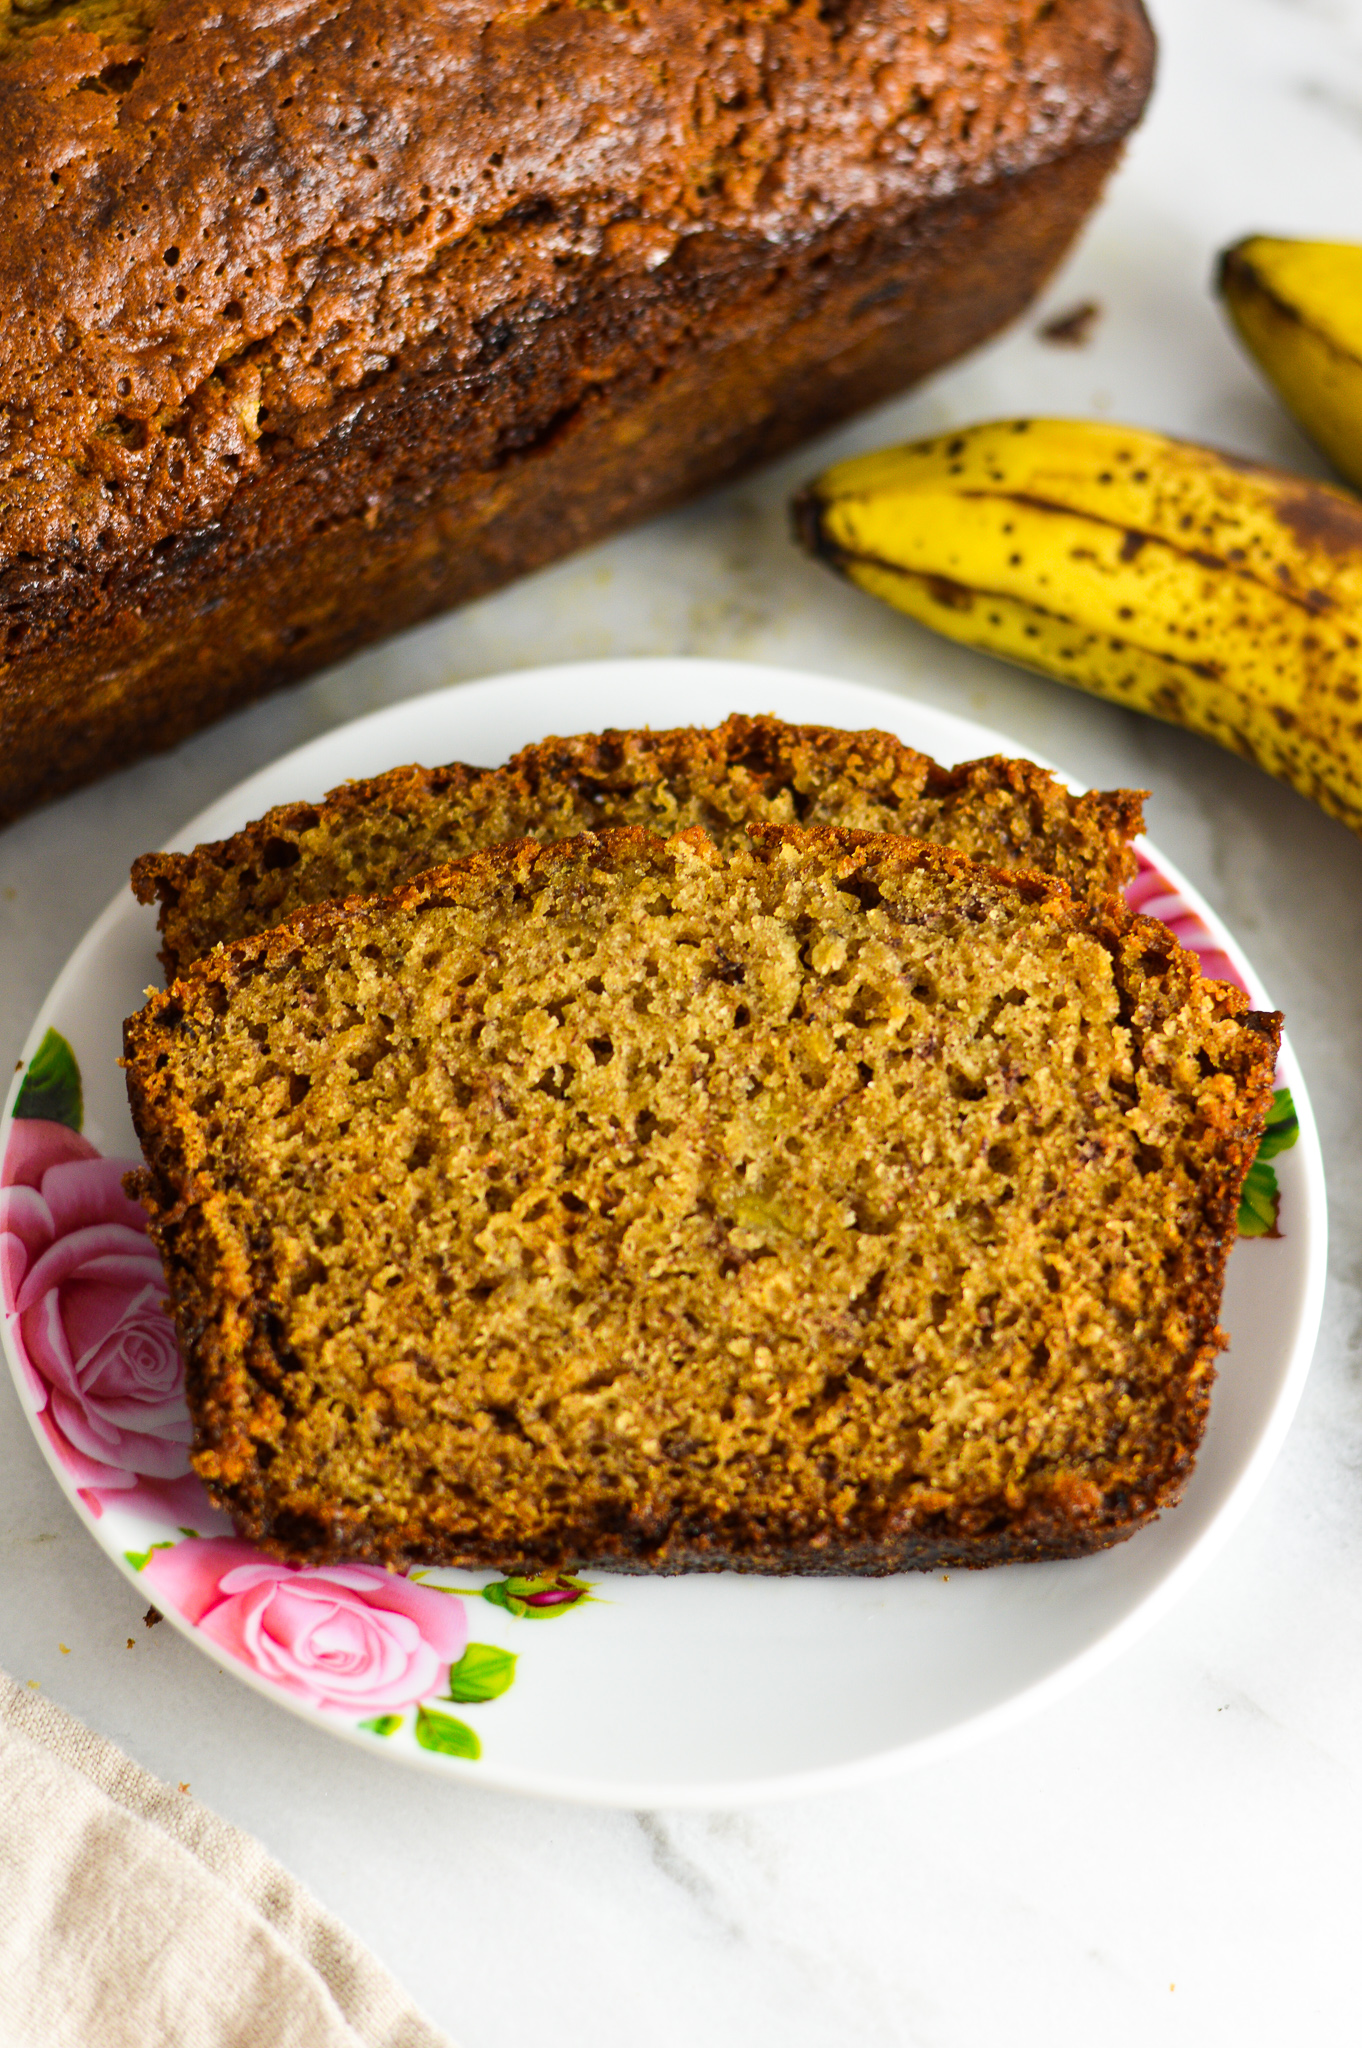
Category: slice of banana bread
[367,837]
[823,1203]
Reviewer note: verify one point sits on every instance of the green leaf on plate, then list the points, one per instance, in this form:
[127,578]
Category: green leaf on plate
[382,1724]
[1259,1202]
[51,1087]
[138,1558]
[442,1733]
[1283,1126]
[482,1673]
[499,1596]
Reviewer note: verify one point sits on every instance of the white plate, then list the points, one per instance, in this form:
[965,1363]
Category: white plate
[669,1692]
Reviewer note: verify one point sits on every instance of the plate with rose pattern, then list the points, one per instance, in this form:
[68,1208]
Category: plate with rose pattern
[700,1690]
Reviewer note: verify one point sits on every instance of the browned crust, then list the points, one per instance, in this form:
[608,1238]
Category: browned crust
[219,1321]
[455,470]
[228,888]
[488,199]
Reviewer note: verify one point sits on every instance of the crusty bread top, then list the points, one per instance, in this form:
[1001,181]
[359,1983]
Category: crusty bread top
[681,1205]
[367,837]
[225,221]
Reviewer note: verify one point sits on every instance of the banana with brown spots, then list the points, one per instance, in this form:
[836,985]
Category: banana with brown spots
[1298,307]
[1210,591]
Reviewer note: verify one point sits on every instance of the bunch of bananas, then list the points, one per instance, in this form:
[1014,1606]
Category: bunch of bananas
[1214,592]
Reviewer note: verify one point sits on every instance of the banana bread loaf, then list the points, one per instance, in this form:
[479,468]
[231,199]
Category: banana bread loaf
[366,837]
[829,1203]
[316,321]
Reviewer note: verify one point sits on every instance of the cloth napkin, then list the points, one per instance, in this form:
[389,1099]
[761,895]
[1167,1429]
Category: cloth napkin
[133,1917]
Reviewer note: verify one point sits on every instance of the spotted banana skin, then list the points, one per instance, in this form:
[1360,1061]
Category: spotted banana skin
[1211,591]
[1297,307]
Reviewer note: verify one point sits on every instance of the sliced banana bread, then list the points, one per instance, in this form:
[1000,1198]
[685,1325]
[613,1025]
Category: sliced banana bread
[822,1203]
[366,837]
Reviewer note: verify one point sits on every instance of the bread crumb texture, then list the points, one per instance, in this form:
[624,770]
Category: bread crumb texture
[367,837]
[112,21]
[828,1202]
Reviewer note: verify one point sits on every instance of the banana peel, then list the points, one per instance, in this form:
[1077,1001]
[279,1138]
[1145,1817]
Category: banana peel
[1216,593]
[1298,308]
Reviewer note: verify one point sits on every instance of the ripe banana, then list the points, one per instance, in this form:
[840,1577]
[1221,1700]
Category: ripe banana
[1210,591]
[1298,306]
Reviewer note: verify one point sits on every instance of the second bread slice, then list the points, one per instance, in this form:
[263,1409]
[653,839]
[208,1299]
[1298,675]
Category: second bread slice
[367,837]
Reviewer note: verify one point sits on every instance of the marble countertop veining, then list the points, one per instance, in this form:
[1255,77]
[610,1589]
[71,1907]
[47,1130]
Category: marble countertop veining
[1171,1853]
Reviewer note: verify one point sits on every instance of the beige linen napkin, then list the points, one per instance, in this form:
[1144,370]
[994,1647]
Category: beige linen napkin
[132,1917]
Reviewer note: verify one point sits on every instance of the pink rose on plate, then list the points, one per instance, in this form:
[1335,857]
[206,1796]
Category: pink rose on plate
[84,1291]
[350,1637]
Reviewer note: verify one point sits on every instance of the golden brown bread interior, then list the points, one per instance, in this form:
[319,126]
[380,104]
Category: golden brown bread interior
[367,837]
[828,1203]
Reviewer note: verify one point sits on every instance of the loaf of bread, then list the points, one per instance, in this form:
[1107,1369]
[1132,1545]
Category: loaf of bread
[828,1203]
[315,321]
[367,837]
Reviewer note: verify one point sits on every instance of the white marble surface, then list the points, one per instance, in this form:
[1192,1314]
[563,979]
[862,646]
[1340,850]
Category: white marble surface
[1170,1854]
